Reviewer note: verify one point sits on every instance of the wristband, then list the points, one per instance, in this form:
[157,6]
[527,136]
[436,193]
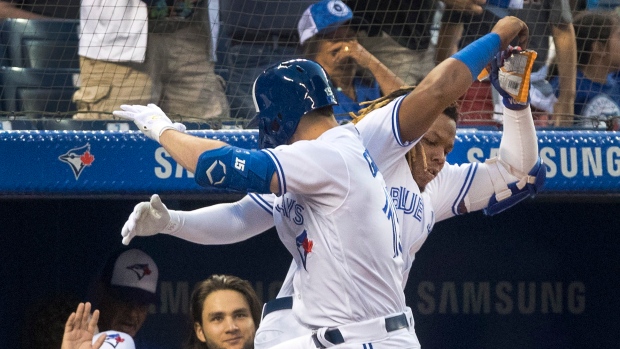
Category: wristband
[479,53]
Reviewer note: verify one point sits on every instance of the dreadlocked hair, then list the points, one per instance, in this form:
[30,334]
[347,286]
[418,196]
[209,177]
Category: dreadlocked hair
[410,156]
[379,102]
[451,111]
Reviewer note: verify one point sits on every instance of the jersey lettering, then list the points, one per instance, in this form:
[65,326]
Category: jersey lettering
[414,207]
[390,212]
[299,217]
[373,167]
[290,209]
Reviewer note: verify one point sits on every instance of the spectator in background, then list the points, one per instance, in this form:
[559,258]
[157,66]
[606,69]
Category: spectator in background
[544,18]
[225,312]
[255,35]
[399,32]
[138,52]
[80,332]
[40,9]
[328,38]
[597,101]
[124,290]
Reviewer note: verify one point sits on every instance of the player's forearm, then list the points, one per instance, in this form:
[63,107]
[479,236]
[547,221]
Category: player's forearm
[223,223]
[443,85]
[518,153]
[519,145]
[186,149]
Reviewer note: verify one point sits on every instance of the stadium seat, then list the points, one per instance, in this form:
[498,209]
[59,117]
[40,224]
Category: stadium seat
[50,43]
[30,92]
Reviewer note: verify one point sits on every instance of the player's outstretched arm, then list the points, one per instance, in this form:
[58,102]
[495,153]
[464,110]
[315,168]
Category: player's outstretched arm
[186,149]
[209,157]
[155,124]
[213,225]
[517,172]
[519,145]
[451,78]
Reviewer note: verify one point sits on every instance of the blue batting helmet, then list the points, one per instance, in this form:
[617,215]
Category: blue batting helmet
[284,93]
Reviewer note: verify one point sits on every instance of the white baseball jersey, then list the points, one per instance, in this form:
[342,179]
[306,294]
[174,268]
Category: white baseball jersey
[455,184]
[335,218]
[417,212]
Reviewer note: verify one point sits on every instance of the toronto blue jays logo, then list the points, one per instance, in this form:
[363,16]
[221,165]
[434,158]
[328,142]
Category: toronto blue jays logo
[141,270]
[304,246]
[78,159]
[113,339]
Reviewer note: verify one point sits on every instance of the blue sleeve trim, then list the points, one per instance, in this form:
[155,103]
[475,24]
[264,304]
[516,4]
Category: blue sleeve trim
[395,124]
[471,173]
[279,171]
[479,53]
[262,203]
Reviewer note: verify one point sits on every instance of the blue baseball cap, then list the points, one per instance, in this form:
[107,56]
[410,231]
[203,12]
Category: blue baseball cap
[323,17]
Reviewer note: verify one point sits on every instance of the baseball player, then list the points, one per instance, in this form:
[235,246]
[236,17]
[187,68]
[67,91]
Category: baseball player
[151,218]
[320,173]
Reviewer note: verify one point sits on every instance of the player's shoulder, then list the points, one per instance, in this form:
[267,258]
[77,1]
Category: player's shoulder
[332,142]
[339,136]
[382,114]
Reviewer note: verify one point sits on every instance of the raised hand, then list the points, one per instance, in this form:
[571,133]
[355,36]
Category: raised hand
[80,329]
[509,28]
[150,119]
[351,49]
[510,75]
[148,218]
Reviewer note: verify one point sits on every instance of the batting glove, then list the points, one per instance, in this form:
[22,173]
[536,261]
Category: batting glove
[149,218]
[496,63]
[150,119]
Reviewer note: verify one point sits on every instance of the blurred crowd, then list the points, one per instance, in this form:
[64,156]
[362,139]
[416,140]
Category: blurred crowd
[197,59]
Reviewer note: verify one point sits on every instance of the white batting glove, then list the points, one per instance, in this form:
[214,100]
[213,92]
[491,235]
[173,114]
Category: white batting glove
[149,218]
[150,119]
[179,127]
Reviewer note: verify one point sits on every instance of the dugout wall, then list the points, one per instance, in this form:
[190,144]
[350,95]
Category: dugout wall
[541,275]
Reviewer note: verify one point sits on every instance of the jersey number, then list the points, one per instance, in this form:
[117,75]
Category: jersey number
[373,168]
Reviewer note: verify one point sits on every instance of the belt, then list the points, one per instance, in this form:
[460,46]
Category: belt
[334,335]
[277,304]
